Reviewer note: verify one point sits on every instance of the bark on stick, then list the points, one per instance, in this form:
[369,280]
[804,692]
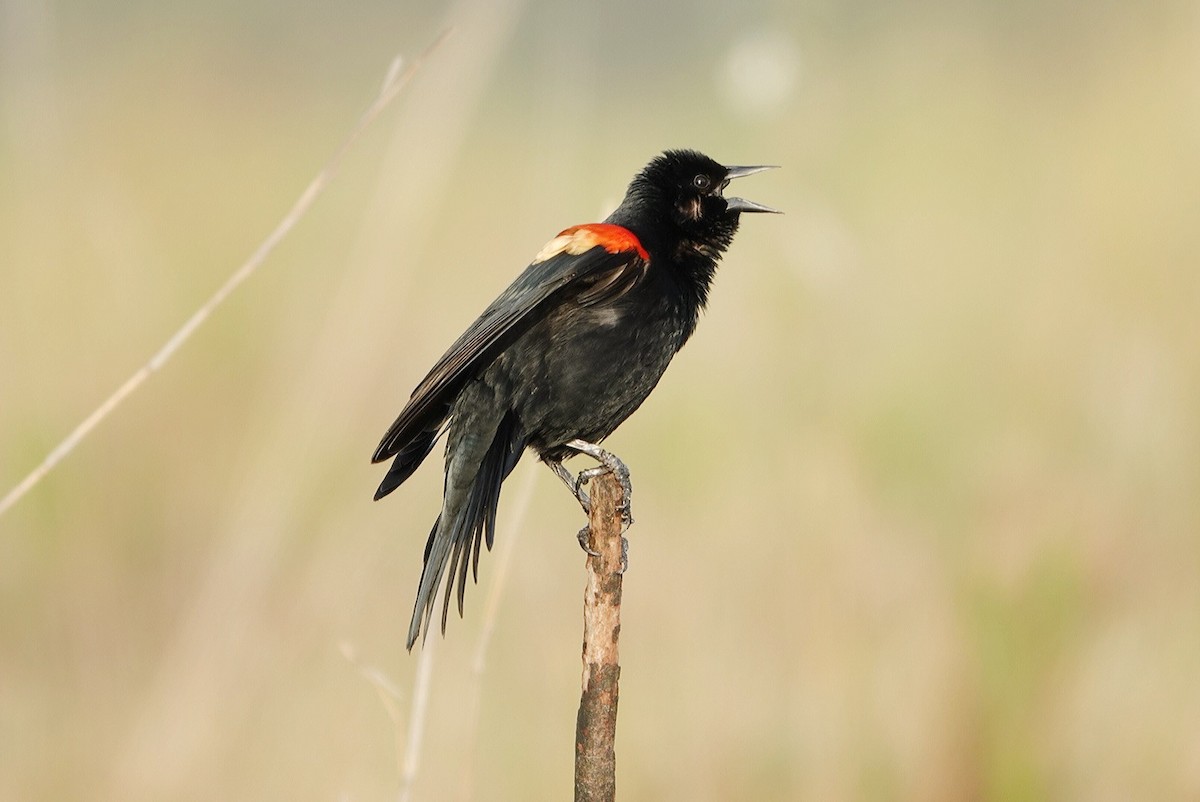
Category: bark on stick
[596,725]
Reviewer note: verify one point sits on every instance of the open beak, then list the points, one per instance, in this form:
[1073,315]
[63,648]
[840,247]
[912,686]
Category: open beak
[741,204]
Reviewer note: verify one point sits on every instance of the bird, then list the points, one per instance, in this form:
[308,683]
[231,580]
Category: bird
[562,357]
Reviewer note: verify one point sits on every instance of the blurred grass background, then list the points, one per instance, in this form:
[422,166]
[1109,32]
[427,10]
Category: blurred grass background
[917,509]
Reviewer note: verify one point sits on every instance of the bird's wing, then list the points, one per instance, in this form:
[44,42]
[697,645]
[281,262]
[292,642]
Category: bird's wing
[591,263]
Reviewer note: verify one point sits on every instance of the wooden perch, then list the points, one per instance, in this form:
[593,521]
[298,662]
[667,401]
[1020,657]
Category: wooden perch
[596,725]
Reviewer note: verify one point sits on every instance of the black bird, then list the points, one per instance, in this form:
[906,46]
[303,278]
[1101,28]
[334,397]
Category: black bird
[564,355]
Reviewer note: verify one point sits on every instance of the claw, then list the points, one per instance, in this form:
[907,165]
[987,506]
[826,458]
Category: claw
[573,484]
[609,462]
[582,537]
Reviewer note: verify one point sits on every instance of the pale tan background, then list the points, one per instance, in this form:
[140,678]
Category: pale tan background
[917,510]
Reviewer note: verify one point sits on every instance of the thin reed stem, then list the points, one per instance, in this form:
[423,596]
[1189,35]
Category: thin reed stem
[396,81]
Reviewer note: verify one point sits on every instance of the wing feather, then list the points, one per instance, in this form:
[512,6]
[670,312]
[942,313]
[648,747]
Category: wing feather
[594,262]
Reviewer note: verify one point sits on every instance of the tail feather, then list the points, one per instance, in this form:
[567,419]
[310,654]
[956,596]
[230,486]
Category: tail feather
[464,524]
[407,460]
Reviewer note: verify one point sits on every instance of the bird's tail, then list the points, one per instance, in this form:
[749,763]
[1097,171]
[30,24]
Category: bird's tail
[407,460]
[468,518]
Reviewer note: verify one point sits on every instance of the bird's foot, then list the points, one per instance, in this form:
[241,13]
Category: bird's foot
[582,537]
[609,463]
[573,485]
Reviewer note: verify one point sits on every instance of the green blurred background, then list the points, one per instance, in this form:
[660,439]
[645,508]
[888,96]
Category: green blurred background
[917,508]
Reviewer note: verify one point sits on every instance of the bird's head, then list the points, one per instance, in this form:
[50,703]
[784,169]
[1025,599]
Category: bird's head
[686,189]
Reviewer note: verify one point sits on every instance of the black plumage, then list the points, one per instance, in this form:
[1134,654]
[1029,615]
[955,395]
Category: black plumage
[566,353]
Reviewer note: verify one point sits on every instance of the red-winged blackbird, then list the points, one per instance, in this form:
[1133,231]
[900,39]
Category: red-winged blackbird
[564,355]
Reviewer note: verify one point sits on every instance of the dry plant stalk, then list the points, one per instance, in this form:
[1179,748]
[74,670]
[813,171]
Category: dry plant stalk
[395,81]
[596,725]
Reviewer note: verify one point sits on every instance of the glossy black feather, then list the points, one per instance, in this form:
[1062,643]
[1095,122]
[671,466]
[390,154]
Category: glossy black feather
[520,306]
[568,351]
[467,525]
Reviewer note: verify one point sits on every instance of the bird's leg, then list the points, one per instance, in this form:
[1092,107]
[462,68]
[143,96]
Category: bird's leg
[568,479]
[581,496]
[609,463]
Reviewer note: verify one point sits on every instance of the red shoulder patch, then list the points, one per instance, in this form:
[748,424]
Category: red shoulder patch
[581,239]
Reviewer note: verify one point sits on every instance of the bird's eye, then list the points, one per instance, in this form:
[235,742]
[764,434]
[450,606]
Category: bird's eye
[702,182]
